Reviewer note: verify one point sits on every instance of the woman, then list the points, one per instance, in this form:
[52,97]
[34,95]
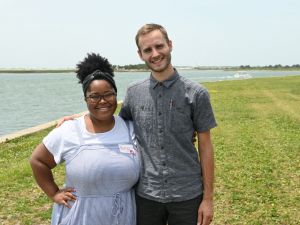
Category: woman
[99,153]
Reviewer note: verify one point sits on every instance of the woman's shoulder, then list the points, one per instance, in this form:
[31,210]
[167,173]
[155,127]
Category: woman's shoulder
[61,140]
[64,131]
[120,121]
[125,125]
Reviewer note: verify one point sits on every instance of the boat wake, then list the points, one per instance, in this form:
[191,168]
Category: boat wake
[242,75]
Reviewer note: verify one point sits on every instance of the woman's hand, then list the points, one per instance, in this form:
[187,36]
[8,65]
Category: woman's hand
[63,196]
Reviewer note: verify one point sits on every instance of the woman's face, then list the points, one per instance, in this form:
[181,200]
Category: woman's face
[101,100]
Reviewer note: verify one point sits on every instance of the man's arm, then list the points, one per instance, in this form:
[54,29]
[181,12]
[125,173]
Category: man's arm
[72,117]
[206,153]
[125,111]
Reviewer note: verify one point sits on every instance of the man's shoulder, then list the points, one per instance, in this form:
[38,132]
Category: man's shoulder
[191,85]
[139,84]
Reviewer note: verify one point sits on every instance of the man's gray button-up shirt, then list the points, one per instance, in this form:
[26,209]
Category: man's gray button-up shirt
[165,115]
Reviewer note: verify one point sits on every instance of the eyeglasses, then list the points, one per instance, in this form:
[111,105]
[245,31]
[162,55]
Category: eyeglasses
[97,98]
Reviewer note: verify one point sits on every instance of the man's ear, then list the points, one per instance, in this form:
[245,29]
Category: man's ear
[170,44]
[140,54]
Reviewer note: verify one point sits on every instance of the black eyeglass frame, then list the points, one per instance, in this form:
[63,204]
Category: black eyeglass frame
[95,98]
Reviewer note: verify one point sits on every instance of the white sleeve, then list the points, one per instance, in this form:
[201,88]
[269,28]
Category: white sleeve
[61,140]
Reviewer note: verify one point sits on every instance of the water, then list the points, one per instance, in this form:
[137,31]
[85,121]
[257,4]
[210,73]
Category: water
[28,100]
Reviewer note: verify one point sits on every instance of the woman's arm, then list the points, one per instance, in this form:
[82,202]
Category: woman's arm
[42,161]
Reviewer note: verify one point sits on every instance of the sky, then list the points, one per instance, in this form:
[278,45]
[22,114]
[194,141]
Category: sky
[59,33]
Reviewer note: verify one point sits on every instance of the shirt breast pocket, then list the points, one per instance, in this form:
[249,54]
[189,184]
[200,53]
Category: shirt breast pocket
[180,121]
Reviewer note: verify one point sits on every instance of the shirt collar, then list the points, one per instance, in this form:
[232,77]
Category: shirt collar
[167,83]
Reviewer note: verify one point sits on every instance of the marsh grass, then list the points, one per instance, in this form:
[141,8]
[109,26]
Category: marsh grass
[257,151]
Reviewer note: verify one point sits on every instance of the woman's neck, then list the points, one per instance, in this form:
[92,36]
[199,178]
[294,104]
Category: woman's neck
[94,125]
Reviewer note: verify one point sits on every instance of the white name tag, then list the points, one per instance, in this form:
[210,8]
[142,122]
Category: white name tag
[129,149]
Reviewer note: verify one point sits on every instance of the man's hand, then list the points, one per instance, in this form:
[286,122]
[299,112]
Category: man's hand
[66,118]
[205,212]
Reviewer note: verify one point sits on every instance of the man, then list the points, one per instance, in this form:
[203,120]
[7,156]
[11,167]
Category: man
[166,109]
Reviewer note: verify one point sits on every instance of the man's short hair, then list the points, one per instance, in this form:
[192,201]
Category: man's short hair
[147,28]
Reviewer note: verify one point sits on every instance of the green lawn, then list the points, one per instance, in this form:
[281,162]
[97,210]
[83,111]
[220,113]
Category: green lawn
[257,151]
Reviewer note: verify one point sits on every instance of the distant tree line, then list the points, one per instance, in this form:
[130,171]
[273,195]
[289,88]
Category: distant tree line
[140,67]
[277,66]
[143,67]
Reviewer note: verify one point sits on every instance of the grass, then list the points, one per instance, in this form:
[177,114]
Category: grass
[21,202]
[257,151]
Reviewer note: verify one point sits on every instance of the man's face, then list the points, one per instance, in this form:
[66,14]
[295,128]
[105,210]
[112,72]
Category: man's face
[155,51]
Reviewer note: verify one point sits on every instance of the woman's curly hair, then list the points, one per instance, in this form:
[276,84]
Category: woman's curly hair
[91,63]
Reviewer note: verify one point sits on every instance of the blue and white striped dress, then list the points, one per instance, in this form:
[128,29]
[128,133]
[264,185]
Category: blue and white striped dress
[103,176]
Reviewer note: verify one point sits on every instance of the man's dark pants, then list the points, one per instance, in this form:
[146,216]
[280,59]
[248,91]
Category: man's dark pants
[174,213]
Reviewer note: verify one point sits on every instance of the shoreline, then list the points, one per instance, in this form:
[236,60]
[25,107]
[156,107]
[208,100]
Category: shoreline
[30,130]
[10,136]
[145,70]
